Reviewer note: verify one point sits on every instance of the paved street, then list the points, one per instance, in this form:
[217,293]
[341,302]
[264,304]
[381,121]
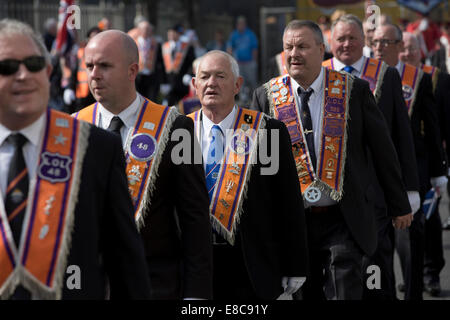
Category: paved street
[445,274]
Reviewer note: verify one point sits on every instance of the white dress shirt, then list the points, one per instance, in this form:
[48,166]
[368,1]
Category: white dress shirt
[358,66]
[128,117]
[33,133]
[315,106]
[206,134]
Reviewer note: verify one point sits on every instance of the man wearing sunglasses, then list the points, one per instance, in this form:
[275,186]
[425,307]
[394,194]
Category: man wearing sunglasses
[66,223]
[417,92]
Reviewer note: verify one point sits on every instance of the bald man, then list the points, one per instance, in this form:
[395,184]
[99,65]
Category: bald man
[417,92]
[170,199]
[434,255]
[151,65]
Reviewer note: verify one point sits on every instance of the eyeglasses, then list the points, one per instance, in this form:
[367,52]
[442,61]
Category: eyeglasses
[384,42]
[11,66]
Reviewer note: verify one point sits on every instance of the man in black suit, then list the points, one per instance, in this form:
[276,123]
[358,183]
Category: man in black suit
[347,44]
[255,206]
[178,56]
[433,249]
[354,139]
[417,92]
[75,230]
[170,199]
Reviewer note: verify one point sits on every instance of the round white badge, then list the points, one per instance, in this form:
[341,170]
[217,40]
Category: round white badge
[312,194]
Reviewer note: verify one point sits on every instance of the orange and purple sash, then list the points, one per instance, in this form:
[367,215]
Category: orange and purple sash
[228,197]
[144,147]
[39,264]
[334,115]
[410,76]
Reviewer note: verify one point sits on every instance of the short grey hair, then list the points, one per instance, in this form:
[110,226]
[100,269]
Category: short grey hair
[10,27]
[298,24]
[348,19]
[233,63]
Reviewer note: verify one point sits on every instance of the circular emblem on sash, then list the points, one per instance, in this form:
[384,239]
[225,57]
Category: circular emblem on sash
[142,147]
[241,143]
[313,194]
[407,92]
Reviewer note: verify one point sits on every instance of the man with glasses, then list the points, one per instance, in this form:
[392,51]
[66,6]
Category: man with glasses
[417,93]
[347,43]
[65,213]
[335,129]
[434,255]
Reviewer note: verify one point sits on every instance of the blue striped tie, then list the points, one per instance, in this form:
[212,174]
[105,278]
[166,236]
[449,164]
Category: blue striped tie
[215,153]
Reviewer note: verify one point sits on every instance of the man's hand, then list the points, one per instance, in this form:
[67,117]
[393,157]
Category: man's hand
[292,284]
[402,222]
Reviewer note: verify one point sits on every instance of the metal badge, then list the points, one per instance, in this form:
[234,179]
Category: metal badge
[313,194]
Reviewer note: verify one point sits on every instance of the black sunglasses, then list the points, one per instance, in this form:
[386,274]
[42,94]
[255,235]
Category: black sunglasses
[10,66]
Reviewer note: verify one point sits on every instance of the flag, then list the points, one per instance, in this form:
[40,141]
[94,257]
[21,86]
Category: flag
[430,203]
[65,36]
[421,6]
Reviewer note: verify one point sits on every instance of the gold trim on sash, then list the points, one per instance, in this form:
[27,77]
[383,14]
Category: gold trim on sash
[433,72]
[144,147]
[334,114]
[411,77]
[40,263]
[232,182]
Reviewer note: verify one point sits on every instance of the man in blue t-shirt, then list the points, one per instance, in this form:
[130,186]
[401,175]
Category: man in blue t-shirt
[243,45]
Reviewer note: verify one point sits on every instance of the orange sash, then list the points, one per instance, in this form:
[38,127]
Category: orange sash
[329,176]
[433,72]
[281,63]
[147,58]
[240,152]
[40,263]
[144,147]
[373,72]
[173,65]
[82,89]
[410,76]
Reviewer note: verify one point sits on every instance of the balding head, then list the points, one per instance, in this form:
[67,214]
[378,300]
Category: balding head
[117,40]
[145,29]
[411,50]
[112,59]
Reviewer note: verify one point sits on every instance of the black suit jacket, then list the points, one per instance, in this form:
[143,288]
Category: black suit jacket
[272,226]
[426,134]
[177,232]
[443,104]
[368,144]
[178,88]
[392,105]
[105,242]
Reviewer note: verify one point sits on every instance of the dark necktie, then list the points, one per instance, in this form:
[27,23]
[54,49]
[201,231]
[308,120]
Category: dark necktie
[17,190]
[348,69]
[115,125]
[307,124]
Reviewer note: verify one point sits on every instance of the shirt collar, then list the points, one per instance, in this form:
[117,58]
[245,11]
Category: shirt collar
[317,85]
[358,65]
[225,124]
[399,66]
[32,132]
[128,115]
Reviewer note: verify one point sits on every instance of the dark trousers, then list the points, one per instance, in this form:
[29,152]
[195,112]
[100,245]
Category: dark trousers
[147,86]
[335,258]
[410,244]
[230,276]
[384,259]
[434,254]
